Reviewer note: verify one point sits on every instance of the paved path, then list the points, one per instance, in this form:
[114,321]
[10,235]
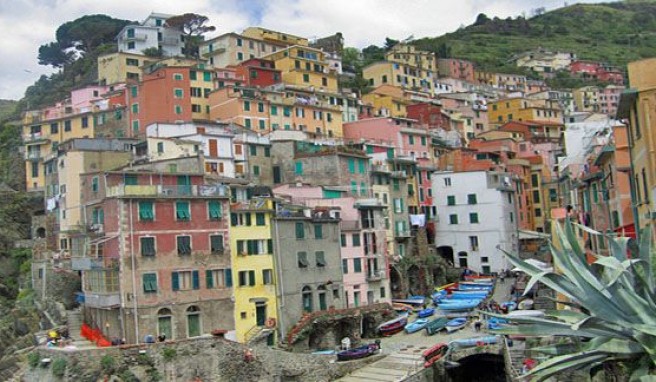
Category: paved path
[405,350]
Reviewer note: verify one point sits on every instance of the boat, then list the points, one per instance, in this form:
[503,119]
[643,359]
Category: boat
[525,304]
[434,354]
[525,313]
[474,278]
[511,305]
[474,286]
[416,325]
[459,300]
[436,325]
[494,323]
[413,300]
[456,324]
[359,352]
[466,296]
[324,352]
[397,306]
[426,312]
[476,341]
[393,326]
[459,305]
[446,287]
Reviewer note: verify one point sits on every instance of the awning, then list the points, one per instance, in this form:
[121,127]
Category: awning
[627,230]
[532,235]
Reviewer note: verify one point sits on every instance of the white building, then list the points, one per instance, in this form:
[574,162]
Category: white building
[151,33]
[215,140]
[476,216]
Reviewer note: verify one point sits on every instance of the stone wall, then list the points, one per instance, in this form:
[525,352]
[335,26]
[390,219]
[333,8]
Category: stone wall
[208,358]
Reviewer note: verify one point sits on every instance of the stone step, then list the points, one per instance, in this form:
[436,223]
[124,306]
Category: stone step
[364,375]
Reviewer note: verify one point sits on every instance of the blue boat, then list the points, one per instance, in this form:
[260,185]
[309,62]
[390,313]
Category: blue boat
[460,301]
[463,305]
[416,325]
[456,324]
[471,296]
[426,312]
[414,300]
[476,341]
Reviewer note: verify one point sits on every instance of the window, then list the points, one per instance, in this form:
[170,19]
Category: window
[149,282]
[300,230]
[239,42]
[411,139]
[240,219]
[538,213]
[216,244]
[54,128]
[473,218]
[473,243]
[178,76]
[260,107]
[355,240]
[307,299]
[447,182]
[471,199]
[302,259]
[214,209]
[344,266]
[207,76]
[146,211]
[342,239]
[185,280]
[178,93]
[274,110]
[534,180]
[195,108]
[306,77]
[267,152]
[299,168]
[536,196]
[67,125]
[240,56]
[318,231]
[453,219]
[160,147]
[361,166]
[94,184]
[247,106]
[267,276]
[320,258]
[184,245]
[357,265]
[451,200]
[217,278]
[131,45]
[262,124]
[260,219]
[246,278]
[182,211]
[147,246]
[177,109]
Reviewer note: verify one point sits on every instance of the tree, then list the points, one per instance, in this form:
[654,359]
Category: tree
[612,301]
[152,52]
[482,19]
[54,55]
[389,43]
[193,27]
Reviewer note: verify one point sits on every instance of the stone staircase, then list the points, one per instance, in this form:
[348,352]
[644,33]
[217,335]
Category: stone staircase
[74,323]
[517,354]
[396,367]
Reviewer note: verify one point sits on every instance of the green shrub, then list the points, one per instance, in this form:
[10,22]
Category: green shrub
[59,367]
[153,375]
[107,363]
[128,376]
[33,359]
[168,354]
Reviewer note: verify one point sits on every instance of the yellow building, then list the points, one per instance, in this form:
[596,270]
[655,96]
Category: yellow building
[274,36]
[391,101]
[411,56]
[637,106]
[586,99]
[251,241]
[398,74]
[305,67]
[115,68]
[522,109]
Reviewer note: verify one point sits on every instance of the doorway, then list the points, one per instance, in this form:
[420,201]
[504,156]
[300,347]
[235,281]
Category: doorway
[260,313]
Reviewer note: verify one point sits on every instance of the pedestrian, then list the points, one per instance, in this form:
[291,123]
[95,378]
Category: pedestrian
[477,325]
[501,278]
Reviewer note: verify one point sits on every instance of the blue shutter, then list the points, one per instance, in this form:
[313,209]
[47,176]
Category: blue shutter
[228,277]
[195,280]
[209,281]
[175,282]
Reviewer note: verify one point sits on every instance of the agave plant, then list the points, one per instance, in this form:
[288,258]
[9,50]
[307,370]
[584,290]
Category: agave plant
[611,307]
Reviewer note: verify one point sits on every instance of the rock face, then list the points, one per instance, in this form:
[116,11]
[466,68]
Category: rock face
[206,358]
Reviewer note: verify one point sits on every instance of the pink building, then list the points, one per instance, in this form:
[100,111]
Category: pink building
[455,68]
[609,98]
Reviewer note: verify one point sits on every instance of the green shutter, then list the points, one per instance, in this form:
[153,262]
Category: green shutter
[146,211]
[270,246]
[209,281]
[240,247]
[175,282]
[259,219]
[361,166]
[318,231]
[248,219]
[195,280]
[251,278]
[182,210]
[228,277]
[215,210]
[351,165]
[207,76]
[299,168]
[233,219]
[300,231]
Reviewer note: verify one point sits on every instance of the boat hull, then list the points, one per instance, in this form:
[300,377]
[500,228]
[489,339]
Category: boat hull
[436,325]
[426,313]
[456,324]
[416,325]
[356,353]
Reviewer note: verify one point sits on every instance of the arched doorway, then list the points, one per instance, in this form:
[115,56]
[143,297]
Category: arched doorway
[165,323]
[41,233]
[479,368]
[446,253]
[193,321]
[306,294]
[396,283]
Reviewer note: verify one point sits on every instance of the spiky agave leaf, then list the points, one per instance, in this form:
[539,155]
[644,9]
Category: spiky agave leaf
[621,323]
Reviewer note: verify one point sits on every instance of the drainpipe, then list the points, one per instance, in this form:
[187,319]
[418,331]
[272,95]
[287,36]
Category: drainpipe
[280,285]
[134,279]
[632,185]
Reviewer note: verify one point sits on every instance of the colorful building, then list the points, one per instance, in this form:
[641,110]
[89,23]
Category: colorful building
[304,67]
[456,68]
[523,110]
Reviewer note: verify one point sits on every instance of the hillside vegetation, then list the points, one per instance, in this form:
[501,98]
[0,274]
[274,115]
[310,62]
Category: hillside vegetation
[611,32]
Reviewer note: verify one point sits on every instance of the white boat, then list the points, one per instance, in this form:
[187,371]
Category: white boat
[456,324]
[525,313]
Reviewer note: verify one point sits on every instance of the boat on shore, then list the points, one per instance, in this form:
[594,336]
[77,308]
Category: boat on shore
[525,313]
[459,305]
[434,354]
[394,326]
[416,325]
[456,324]
[426,312]
[436,325]
[412,300]
[399,307]
[475,341]
[359,352]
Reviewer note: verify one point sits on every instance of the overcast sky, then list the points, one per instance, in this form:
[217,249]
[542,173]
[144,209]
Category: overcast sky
[27,24]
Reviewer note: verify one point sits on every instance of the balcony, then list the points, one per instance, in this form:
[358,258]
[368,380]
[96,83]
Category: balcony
[170,41]
[102,300]
[86,263]
[350,225]
[135,37]
[150,191]
[376,275]
[399,174]
[35,138]
[380,168]
[33,155]
[402,233]
[215,50]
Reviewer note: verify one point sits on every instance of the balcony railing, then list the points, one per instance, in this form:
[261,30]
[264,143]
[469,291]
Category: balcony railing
[33,155]
[102,300]
[402,233]
[136,37]
[205,190]
[33,137]
[170,41]
[375,275]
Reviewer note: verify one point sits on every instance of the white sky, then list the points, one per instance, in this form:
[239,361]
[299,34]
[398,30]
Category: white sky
[27,24]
